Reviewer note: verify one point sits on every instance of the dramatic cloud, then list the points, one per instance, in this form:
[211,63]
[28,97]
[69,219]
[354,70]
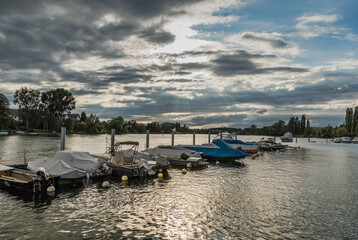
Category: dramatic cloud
[204,63]
[268,43]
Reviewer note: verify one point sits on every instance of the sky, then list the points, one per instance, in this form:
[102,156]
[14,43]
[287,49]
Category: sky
[228,63]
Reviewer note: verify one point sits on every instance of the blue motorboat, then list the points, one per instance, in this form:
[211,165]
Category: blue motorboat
[220,150]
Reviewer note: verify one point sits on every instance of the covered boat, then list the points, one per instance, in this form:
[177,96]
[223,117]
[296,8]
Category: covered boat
[287,137]
[226,136]
[242,146]
[56,167]
[80,160]
[222,151]
[178,156]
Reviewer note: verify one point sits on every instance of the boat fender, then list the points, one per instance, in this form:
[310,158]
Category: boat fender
[51,190]
[105,184]
[160,175]
[183,171]
[124,178]
[7,184]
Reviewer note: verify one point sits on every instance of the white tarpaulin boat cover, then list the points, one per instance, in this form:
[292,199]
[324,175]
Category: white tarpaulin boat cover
[80,160]
[55,167]
[5,168]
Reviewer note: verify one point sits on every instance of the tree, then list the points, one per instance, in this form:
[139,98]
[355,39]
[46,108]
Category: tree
[83,116]
[355,120]
[303,123]
[308,129]
[348,120]
[28,100]
[342,132]
[57,102]
[69,124]
[92,124]
[4,111]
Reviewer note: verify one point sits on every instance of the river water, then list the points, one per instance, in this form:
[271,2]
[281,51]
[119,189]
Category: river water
[310,192]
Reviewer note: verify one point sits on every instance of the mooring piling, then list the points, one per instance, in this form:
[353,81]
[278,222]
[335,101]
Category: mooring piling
[193,137]
[113,134]
[221,135]
[173,131]
[235,136]
[147,140]
[63,138]
[209,137]
[25,156]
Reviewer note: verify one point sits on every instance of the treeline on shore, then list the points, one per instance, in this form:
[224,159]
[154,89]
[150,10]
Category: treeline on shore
[49,111]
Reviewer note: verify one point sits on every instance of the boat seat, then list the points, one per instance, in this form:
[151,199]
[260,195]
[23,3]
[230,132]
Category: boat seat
[13,179]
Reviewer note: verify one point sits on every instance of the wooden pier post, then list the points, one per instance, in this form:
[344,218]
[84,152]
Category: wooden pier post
[221,135]
[193,137]
[309,140]
[173,131]
[235,136]
[25,156]
[209,137]
[113,134]
[326,139]
[147,140]
[296,139]
[63,138]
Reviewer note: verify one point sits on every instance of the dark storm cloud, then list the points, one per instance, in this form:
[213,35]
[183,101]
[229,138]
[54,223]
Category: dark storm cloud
[241,63]
[274,42]
[155,36]
[261,111]
[217,119]
[36,31]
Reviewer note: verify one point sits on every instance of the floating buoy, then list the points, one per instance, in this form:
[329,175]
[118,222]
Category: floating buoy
[124,178]
[217,163]
[160,175]
[253,156]
[270,152]
[51,190]
[188,165]
[183,171]
[106,184]
[277,150]
[299,147]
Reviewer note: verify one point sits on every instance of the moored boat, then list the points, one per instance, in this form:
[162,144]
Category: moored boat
[346,140]
[178,156]
[58,168]
[242,146]
[25,181]
[355,140]
[337,140]
[220,151]
[287,137]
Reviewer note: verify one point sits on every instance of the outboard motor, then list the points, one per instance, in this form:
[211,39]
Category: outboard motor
[162,162]
[144,167]
[43,174]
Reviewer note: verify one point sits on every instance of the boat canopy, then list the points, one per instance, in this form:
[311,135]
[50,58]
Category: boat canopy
[55,167]
[5,168]
[80,160]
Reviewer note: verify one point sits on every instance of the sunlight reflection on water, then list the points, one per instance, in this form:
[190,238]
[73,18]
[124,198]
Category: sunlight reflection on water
[305,193]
